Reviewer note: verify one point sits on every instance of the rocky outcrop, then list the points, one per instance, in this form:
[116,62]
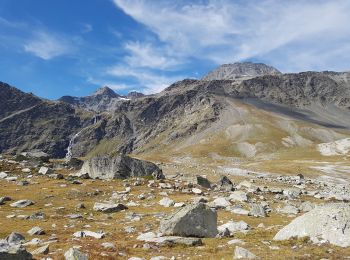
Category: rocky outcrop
[119,167]
[197,220]
[239,70]
[328,223]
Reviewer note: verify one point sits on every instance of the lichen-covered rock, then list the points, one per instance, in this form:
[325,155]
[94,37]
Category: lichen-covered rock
[328,223]
[197,220]
[119,167]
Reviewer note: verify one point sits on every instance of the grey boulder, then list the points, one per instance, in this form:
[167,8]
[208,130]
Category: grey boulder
[21,203]
[13,251]
[75,254]
[197,220]
[119,167]
[15,238]
[328,223]
[108,207]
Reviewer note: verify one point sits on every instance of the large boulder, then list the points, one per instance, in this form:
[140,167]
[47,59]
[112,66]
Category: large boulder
[197,220]
[119,167]
[13,251]
[324,223]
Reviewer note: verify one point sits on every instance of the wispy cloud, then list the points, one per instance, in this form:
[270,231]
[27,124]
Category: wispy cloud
[149,56]
[110,84]
[228,31]
[47,46]
[149,81]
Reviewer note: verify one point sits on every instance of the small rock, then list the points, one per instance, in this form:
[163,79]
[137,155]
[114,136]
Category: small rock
[41,250]
[239,195]
[242,253]
[166,202]
[36,231]
[220,203]
[15,238]
[108,208]
[45,170]
[22,203]
[75,254]
[87,233]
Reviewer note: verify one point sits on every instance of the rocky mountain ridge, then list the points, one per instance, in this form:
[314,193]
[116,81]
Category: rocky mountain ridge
[240,70]
[103,99]
[184,115]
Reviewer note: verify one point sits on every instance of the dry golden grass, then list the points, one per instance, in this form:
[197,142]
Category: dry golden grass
[43,190]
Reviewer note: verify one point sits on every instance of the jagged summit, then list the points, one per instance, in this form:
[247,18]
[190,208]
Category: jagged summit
[240,70]
[134,94]
[105,91]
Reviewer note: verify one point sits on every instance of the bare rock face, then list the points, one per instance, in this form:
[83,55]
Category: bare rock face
[325,223]
[119,167]
[237,70]
[196,220]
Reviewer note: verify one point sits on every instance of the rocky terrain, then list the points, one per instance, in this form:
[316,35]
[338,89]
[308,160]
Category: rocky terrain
[245,163]
[48,212]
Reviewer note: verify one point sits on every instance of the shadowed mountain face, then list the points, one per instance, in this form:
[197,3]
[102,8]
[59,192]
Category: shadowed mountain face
[243,117]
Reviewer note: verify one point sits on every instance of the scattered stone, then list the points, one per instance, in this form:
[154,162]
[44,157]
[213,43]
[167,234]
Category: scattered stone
[26,170]
[234,227]
[22,203]
[197,220]
[289,209]
[4,199]
[75,254]
[87,233]
[37,215]
[220,203]
[45,170]
[166,202]
[3,175]
[109,208]
[197,191]
[36,231]
[108,245]
[179,205]
[239,195]
[242,253]
[329,223]
[15,238]
[80,206]
[257,210]
[74,216]
[225,184]
[204,182]
[41,250]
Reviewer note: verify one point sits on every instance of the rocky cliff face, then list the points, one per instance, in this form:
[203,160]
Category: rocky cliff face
[188,113]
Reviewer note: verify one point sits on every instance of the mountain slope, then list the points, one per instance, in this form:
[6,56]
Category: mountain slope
[260,116]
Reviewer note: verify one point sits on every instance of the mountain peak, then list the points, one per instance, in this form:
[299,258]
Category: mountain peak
[240,69]
[105,91]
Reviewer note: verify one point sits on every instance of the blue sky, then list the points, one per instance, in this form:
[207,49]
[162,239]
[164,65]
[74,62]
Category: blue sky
[60,47]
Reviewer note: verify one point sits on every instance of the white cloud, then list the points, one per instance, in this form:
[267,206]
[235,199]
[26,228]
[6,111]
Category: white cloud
[47,46]
[149,81]
[147,55]
[110,84]
[228,31]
